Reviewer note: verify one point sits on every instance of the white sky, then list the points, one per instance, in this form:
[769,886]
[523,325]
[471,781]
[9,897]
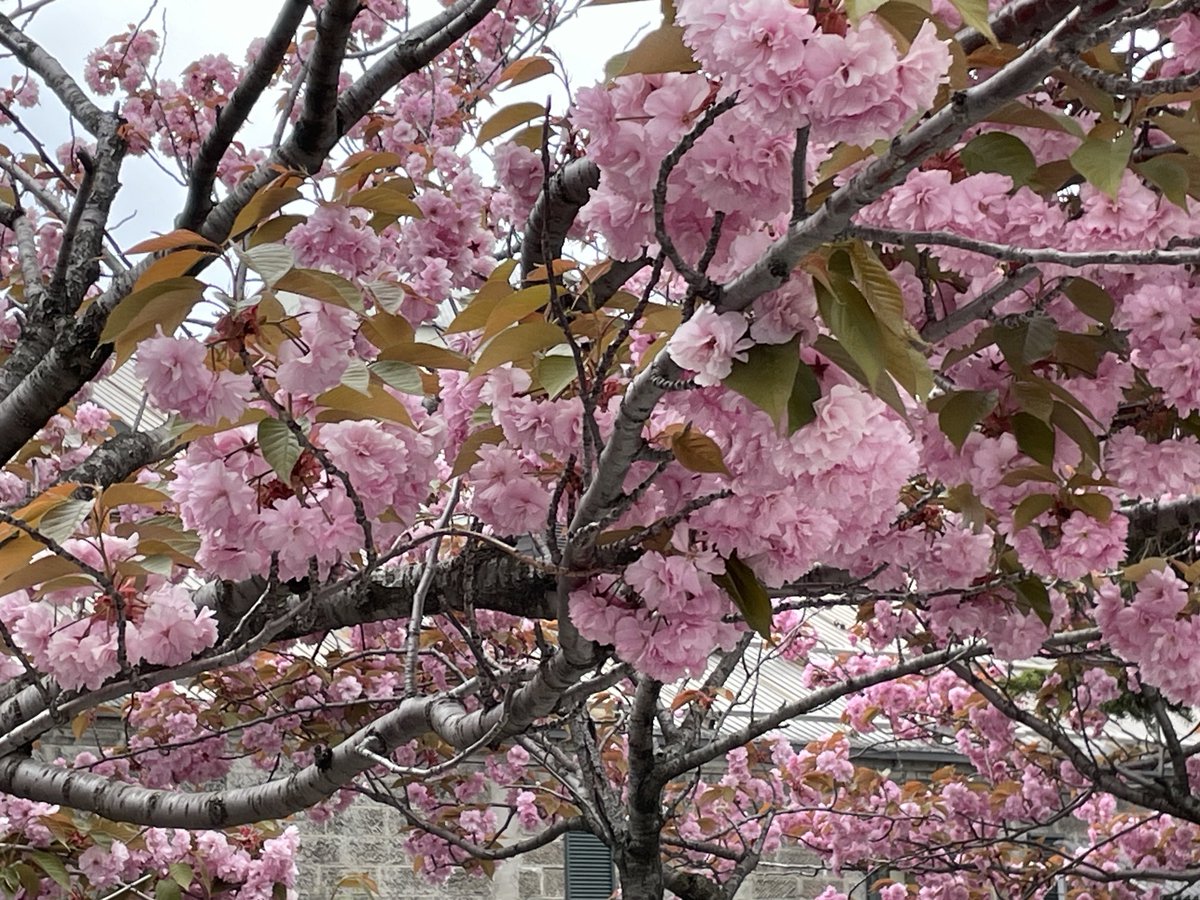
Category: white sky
[70,29]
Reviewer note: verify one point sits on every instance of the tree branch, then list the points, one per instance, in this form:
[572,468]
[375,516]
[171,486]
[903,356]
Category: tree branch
[32,55]
[1167,800]
[907,152]
[555,210]
[233,115]
[980,307]
[1011,253]
[676,763]
[40,781]
[419,47]
[122,455]
[319,127]
[77,356]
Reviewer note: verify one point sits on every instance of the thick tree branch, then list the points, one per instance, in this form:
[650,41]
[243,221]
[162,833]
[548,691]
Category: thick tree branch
[555,210]
[84,246]
[1154,519]
[318,127]
[1016,23]
[122,455]
[233,115]
[36,780]
[907,152]
[419,47]
[32,55]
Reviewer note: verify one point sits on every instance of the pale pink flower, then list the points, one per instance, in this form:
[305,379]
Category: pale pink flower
[708,344]
[335,238]
[172,630]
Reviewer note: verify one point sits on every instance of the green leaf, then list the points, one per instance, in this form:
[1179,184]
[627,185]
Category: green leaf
[962,411]
[1169,176]
[1034,398]
[27,877]
[279,447]
[1090,299]
[517,343]
[555,373]
[514,307]
[345,403]
[481,306]
[747,594]
[270,261]
[61,521]
[402,376]
[856,9]
[323,286]
[1142,568]
[998,151]
[181,873]
[266,202]
[430,356]
[1098,506]
[849,317]
[52,866]
[878,287]
[273,231]
[357,376]
[1026,338]
[167,890]
[1072,425]
[806,391]
[1080,352]
[1034,437]
[1022,474]
[523,70]
[975,14]
[508,118]
[392,198]
[1032,595]
[1103,156]
[39,571]
[768,377]
[1030,508]
[1064,395]
[165,302]
[874,332]
[661,51]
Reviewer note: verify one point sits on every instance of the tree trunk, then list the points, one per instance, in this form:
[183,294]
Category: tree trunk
[640,871]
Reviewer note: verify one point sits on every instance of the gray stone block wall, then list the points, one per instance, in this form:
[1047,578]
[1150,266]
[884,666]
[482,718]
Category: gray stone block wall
[367,839]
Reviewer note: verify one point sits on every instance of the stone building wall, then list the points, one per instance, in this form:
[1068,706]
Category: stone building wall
[364,839]
[367,839]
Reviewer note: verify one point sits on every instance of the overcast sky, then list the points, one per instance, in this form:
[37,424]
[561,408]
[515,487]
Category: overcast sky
[70,29]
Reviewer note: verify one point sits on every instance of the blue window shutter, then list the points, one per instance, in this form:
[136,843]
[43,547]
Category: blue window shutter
[588,866]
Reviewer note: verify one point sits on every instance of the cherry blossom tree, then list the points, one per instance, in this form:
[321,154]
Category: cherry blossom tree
[508,445]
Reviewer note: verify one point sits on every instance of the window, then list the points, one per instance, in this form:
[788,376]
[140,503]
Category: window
[589,867]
